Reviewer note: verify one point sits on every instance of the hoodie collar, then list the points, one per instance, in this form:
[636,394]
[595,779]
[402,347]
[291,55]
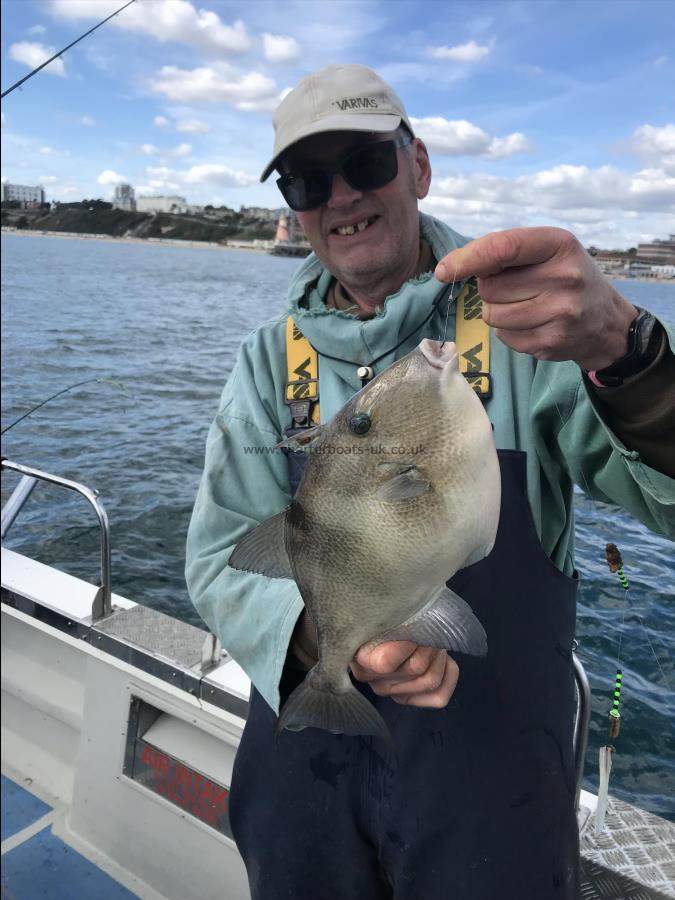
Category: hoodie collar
[339,333]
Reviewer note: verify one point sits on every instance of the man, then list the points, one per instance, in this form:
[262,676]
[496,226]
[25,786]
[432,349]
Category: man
[477,800]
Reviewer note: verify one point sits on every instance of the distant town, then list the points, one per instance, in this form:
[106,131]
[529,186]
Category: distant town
[172,218]
[158,218]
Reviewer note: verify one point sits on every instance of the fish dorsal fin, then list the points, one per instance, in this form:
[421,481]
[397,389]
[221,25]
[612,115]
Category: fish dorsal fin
[407,483]
[446,622]
[263,550]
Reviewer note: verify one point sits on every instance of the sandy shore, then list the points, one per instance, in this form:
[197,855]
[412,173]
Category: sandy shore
[258,247]
[169,242]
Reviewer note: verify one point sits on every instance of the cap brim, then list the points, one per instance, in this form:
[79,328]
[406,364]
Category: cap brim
[357,122]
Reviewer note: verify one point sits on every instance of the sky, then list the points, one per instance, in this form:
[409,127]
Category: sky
[535,112]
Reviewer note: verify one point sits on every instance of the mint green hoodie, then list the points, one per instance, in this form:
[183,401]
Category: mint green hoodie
[542,408]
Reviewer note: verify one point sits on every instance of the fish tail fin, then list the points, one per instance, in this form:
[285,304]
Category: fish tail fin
[317,704]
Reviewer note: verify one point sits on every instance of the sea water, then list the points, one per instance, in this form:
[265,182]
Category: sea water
[163,324]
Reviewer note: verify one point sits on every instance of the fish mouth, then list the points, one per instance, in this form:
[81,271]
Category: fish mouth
[440,355]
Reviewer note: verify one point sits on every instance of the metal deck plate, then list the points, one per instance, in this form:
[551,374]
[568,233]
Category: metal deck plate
[158,633]
[632,859]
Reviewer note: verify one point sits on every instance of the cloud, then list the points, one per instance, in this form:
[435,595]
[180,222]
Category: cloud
[88,121]
[655,145]
[470,52]
[37,29]
[218,174]
[185,126]
[163,178]
[33,55]
[193,126]
[46,151]
[110,177]
[47,179]
[217,83]
[513,143]
[180,151]
[461,138]
[605,205]
[280,49]
[168,20]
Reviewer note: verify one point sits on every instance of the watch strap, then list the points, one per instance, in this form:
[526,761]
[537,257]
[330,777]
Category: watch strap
[644,342]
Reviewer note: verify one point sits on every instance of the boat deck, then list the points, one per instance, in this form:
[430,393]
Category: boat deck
[37,863]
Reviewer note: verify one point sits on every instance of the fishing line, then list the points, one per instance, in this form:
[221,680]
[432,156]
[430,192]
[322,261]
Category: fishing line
[64,391]
[663,674]
[447,311]
[615,563]
[61,52]
[369,366]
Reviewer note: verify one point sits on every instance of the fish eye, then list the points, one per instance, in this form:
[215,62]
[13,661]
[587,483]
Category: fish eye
[360,423]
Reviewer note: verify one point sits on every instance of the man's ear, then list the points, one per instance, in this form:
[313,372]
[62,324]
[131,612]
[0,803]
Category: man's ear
[422,168]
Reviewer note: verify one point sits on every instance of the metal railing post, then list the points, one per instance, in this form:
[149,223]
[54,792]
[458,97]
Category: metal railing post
[16,502]
[102,605]
[581,723]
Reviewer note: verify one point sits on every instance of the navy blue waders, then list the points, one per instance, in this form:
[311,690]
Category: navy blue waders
[477,800]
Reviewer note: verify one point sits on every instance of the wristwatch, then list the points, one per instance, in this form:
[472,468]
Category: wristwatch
[644,343]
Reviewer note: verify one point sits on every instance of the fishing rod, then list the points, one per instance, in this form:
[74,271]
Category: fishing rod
[61,52]
[64,391]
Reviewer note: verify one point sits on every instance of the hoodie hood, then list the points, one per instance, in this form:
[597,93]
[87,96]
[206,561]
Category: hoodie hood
[340,334]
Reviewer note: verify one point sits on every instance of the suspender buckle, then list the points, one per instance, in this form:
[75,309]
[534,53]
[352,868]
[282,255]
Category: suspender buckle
[301,412]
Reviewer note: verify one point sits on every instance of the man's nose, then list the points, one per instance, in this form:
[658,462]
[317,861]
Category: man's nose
[342,193]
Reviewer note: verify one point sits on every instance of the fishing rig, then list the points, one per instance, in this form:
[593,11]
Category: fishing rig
[615,563]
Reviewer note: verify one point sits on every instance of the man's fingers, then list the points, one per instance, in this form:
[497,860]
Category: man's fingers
[428,681]
[439,698]
[524,316]
[500,250]
[373,660]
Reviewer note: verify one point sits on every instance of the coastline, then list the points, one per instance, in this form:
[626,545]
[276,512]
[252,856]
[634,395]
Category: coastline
[258,246]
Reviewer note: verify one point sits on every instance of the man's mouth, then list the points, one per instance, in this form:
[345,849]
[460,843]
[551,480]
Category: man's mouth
[356,228]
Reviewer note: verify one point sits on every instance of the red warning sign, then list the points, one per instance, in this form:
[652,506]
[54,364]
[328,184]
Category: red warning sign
[195,793]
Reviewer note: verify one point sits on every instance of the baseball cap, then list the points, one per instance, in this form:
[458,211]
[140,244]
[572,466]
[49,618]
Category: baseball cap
[337,98]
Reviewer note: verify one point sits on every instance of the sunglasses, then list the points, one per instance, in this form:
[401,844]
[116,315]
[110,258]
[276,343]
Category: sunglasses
[365,169]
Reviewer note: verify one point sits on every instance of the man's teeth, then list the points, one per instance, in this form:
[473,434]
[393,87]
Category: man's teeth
[352,229]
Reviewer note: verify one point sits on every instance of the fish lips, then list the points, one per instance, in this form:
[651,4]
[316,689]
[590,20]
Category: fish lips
[440,355]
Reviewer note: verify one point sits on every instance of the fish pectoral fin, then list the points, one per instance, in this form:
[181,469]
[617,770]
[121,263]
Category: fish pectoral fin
[447,622]
[300,441]
[316,704]
[405,484]
[263,550]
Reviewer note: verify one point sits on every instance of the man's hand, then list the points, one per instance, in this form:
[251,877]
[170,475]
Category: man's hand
[409,674]
[544,295]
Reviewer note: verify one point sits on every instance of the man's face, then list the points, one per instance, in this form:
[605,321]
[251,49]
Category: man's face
[388,246]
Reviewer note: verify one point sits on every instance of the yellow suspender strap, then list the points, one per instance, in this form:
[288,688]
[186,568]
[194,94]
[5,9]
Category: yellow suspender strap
[472,338]
[302,383]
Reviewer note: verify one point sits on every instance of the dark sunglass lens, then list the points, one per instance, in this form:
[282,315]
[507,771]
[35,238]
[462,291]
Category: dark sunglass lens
[372,167]
[304,192]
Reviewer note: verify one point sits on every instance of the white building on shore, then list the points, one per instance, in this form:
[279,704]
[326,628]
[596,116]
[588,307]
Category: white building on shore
[124,197]
[27,195]
[161,204]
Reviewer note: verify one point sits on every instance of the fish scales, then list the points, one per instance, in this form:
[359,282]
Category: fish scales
[400,491]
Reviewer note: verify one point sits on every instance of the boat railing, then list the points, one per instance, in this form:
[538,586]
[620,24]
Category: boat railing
[211,649]
[582,722]
[102,605]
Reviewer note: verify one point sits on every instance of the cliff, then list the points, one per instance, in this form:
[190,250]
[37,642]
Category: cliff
[98,217]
